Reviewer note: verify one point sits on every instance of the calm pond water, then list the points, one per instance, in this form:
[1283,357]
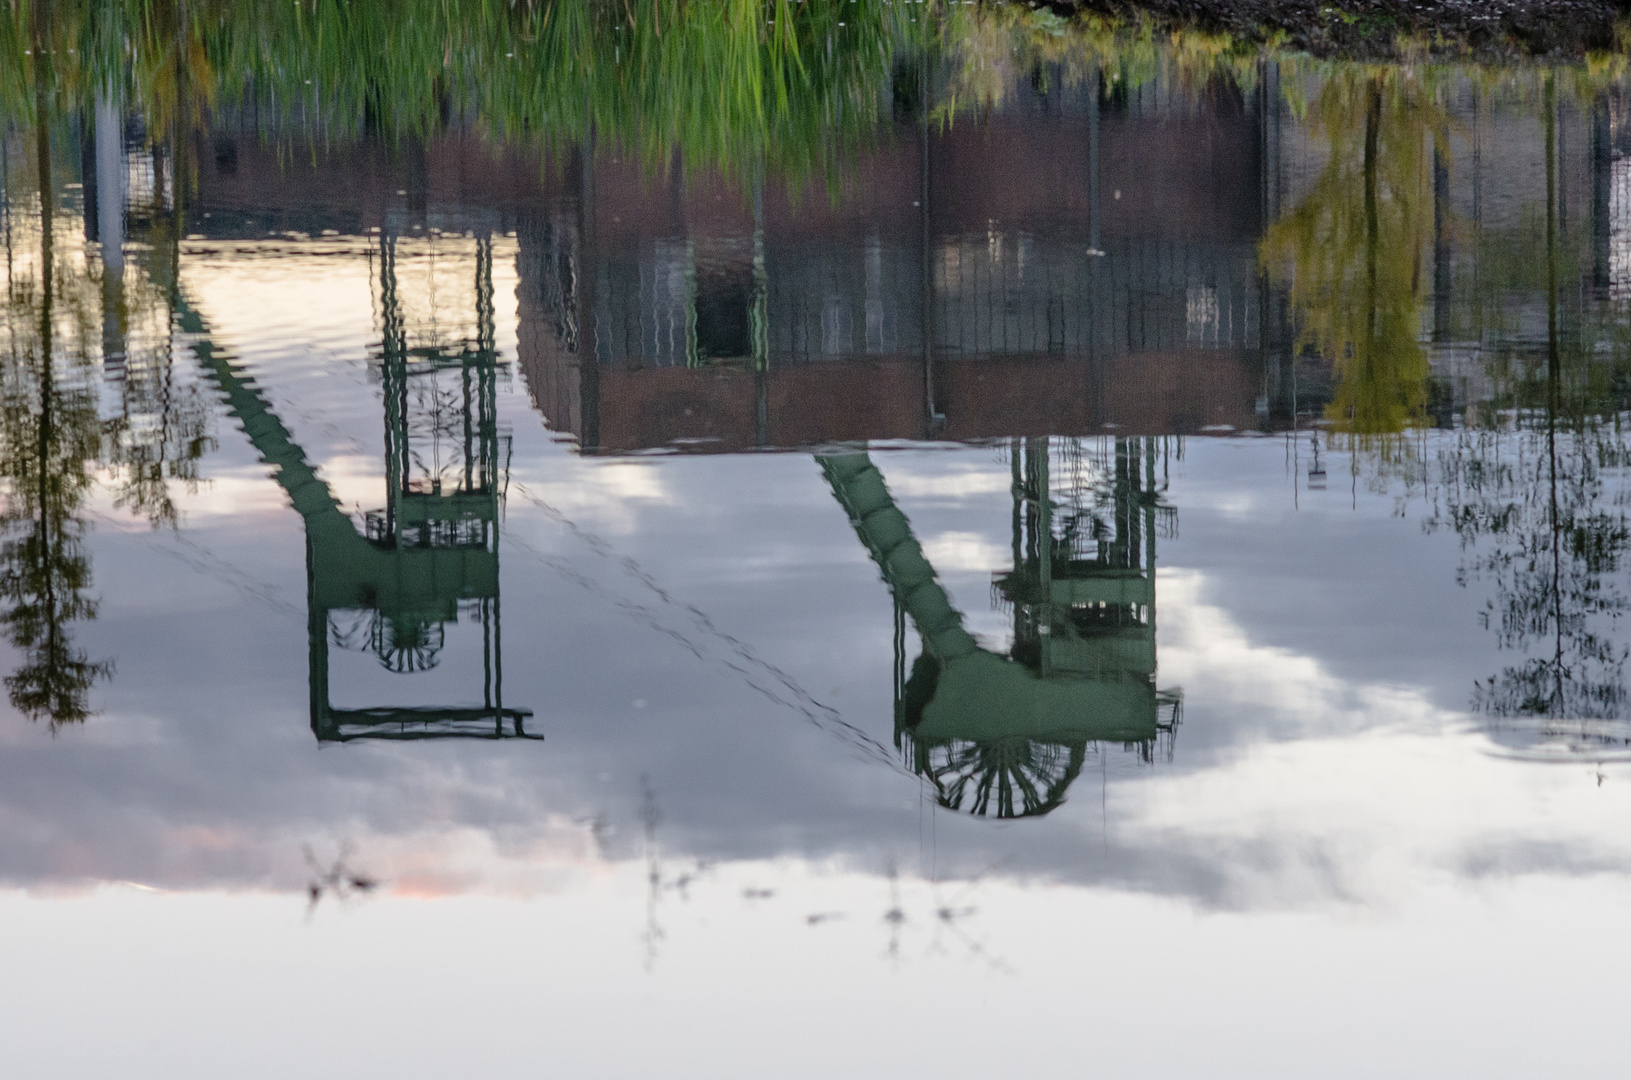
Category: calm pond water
[729,539]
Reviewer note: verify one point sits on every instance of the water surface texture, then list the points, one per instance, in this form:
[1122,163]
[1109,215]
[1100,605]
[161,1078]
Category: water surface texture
[735,539]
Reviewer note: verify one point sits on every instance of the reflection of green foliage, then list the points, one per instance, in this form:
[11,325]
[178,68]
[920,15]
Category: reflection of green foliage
[60,308]
[161,429]
[988,46]
[49,429]
[1353,248]
[733,81]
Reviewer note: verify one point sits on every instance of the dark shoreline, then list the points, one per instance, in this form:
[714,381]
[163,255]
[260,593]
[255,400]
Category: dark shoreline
[1494,30]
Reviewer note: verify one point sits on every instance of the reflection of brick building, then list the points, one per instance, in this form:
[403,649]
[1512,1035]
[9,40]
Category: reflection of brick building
[727,316]
[250,186]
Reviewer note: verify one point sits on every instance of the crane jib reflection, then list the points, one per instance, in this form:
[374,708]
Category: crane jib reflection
[1007,735]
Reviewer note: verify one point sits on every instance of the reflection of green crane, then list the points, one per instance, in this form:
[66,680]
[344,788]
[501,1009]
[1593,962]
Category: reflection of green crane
[1082,668]
[432,549]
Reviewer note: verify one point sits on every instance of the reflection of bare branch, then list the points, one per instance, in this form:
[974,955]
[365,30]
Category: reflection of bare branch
[338,879]
[601,831]
[950,915]
[1530,508]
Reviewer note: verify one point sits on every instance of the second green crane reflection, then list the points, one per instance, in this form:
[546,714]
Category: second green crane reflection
[1008,735]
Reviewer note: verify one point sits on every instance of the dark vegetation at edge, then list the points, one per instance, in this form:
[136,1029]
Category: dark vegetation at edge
[1393,29]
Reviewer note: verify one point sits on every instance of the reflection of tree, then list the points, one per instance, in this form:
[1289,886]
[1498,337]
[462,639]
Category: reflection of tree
[1529,507]
[1353,248]
[59,311]
[989,48]
[48,430]
[161,429]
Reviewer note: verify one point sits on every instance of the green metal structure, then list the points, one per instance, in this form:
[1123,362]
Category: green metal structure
[1015,729]
[431,551]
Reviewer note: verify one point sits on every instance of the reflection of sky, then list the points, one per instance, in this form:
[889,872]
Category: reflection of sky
[1334,875]
[1095,982]
[685,620]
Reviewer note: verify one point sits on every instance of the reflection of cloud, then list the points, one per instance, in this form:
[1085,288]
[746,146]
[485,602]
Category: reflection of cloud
[628,480]
[1371,816]
[556,856]
[1268,648]
[1376,792]
[906,481]
[1201,643]
[608,496]
[949,551]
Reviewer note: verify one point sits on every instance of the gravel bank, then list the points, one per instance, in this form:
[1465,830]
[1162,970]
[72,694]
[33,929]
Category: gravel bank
[1386,29]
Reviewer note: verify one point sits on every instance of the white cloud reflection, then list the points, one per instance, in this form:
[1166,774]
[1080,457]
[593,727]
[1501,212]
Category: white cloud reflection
[1323,647]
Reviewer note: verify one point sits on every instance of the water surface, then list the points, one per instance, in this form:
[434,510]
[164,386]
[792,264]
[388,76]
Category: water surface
[727,539]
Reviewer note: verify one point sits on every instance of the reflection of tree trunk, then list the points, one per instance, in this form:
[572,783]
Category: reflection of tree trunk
[1373,125]
[586,281]
[1553,384]
[1441,246]
[931,408]
[1601,181]
[42,136]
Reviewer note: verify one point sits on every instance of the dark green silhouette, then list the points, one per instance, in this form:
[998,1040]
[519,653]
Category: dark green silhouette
[431,550]
[1007,735]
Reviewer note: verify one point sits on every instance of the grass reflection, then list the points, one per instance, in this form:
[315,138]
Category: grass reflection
[735,82]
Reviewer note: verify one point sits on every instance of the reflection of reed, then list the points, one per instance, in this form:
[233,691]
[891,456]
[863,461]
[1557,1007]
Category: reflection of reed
[948,917]
[951,917]
[651,817]
[734,81]
[658,882]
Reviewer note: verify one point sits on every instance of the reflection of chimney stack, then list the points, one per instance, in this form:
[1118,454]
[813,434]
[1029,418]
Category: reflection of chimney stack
[110,182]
